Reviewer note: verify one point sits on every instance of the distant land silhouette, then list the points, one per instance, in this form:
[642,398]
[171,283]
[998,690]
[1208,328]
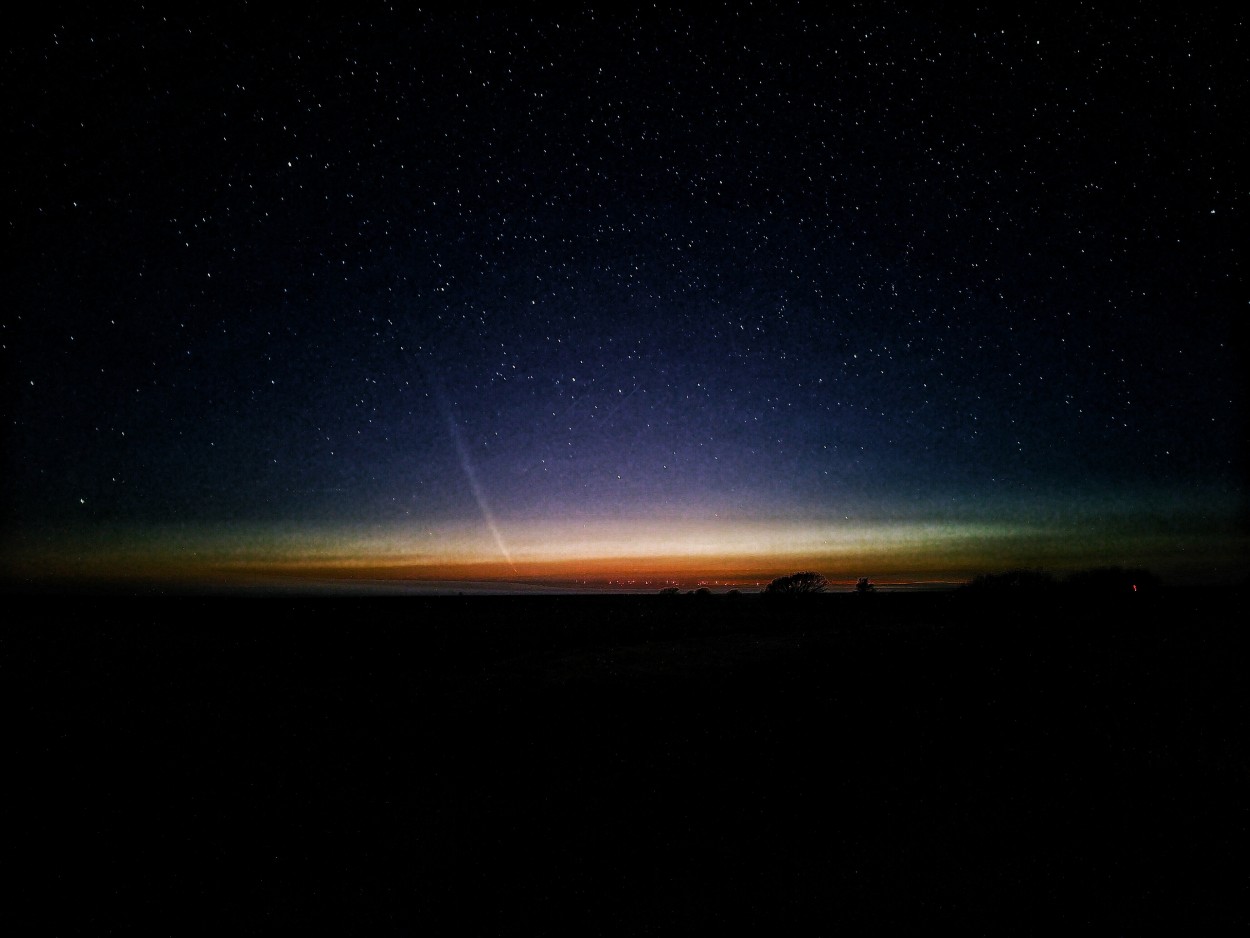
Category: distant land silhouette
[1052,753]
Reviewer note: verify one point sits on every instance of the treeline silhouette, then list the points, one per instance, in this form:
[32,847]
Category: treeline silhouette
[1094,581]
[1097,581]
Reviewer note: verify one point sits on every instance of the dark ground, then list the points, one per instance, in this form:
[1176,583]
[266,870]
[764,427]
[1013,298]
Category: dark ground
[631,765]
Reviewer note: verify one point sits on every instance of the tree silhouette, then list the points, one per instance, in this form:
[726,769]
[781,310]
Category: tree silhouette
[805,582]
[1012,582]
[863,586]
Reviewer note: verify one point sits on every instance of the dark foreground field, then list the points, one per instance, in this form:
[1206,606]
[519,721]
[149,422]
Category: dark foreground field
[625,765]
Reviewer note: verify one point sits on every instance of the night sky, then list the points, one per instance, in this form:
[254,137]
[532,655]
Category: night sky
[615,298]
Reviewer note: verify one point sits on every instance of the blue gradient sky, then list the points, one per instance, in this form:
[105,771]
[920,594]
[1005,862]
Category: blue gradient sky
[902,294]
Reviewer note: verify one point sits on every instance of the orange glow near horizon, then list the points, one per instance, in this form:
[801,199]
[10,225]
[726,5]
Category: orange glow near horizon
[593,554]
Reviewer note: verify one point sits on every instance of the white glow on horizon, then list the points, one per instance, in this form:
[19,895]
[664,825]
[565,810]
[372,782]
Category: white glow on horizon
[694,541]
[565,542]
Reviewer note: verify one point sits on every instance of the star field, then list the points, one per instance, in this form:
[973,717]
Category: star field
[432,288]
